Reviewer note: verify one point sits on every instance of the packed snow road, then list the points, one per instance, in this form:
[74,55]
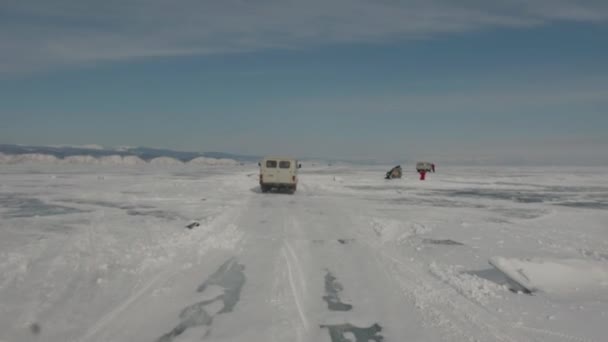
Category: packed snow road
[105,255]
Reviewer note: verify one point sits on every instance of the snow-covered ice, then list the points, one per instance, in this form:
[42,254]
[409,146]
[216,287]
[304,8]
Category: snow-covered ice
[101,252]
[566,277]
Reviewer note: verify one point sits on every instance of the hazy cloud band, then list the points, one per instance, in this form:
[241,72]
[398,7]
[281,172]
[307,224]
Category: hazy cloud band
[42,34]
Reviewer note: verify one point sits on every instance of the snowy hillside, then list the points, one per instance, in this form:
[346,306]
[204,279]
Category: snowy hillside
[212,161]
[99,154]
[90,255]
[109,160]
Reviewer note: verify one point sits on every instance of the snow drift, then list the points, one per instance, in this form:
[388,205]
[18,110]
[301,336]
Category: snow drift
[121,160]
[212,161]
[567,276]
[80,160]
[165,161]
[27,158]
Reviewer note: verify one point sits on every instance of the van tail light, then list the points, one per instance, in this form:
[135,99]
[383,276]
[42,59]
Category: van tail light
[293,178]
[261,178]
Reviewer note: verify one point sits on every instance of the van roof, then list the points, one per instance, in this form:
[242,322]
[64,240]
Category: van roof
[279,157]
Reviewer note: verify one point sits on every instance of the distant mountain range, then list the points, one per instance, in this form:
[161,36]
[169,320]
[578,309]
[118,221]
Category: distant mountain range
[144,153]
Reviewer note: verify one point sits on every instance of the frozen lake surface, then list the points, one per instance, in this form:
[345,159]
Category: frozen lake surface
[100,253]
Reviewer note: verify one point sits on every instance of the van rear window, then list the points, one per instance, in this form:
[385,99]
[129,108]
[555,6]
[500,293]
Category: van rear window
[283,164]
[271,164]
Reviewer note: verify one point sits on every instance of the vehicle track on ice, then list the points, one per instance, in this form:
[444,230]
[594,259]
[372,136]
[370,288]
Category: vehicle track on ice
[315,270]
[443,307]
[458,316]
[426,303]
[293,244]
[364,301]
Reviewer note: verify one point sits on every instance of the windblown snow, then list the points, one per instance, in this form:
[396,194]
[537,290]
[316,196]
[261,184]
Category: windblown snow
[97,249]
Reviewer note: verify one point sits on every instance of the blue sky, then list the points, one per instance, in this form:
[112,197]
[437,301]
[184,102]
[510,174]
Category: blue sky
[358,79]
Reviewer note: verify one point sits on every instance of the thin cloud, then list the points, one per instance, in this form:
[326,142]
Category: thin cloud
[488,100]
[41,34]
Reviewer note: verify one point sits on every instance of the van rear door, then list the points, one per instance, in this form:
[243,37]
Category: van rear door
[270,171]
[285,172]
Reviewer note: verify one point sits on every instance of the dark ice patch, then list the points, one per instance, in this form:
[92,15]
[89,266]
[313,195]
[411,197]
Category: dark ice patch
[508,195]
[195,315]
[600,196]
[154,213]
[20,206]
[445,242]
[340,332]
[231,278]
[520,213]
[585,205]
[332,298]
[375,187]
[498,220]
[491,274]
[579,189]
[132,192]
[332,171]
[35,328]
[197,175]
[434,202]
[193,225]
[340,241]
[499,278]
[594,254]
[192,316]
[518,184]
[107,204]
[572,196]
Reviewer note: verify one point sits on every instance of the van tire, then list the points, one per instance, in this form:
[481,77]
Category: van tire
[264,188]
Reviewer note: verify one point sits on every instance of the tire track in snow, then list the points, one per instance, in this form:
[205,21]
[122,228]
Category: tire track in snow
[110,316]
[428,296]
[298,268]
[298,263]
[294,269]
[477,313]
[553,334]
[169,272]
[282,300]
[432,297]
[295,292]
